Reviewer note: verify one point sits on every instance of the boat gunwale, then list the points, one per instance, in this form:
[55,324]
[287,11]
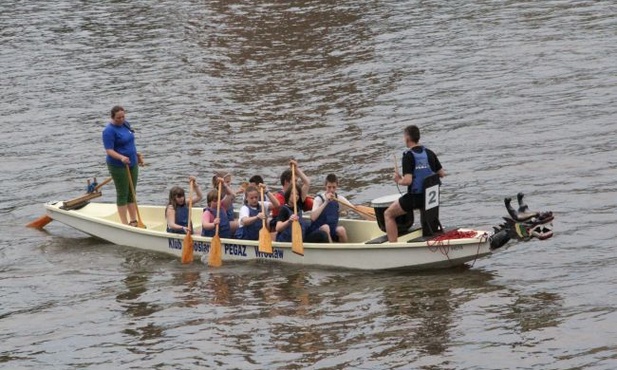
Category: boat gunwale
[481,236]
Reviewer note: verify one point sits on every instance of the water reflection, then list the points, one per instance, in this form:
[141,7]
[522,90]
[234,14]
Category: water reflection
[409,312]
[191,286]
[534,312]
[136,284]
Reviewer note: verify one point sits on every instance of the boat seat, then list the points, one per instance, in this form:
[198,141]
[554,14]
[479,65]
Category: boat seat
[379,240]
[384,238]
[158,227]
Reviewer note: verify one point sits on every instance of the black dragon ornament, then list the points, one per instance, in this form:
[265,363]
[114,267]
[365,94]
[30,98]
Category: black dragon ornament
[522,224]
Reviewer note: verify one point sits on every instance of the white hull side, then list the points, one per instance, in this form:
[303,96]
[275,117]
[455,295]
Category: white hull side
[100,220]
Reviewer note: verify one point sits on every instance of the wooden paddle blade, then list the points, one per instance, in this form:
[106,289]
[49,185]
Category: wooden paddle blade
[296,238]
[265,241]
[187,249]
[367,210]
[214,257]
[40,222]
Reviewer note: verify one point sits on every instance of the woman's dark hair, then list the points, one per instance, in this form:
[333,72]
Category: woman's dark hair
[212,196]
[285,177]
[288,194]
[115,110]
[257,179]
[175,191]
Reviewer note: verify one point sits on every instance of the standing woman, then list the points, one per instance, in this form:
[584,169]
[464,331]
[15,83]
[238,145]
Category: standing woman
[119,143]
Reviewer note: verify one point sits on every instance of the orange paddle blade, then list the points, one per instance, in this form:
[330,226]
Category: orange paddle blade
[214,257]
[366,209]
[40,222]
[296,238]
[265,241]
[187,249]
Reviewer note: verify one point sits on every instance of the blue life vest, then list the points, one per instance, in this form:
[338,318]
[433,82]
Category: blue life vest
[421,171]
[230,213]
[329,216]
[182,218]
[285,236]
[224,227]
[250,232]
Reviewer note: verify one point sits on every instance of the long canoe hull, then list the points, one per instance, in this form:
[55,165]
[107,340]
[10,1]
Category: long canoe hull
[364,251]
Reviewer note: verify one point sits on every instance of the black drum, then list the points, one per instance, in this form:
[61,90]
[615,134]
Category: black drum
[380,205]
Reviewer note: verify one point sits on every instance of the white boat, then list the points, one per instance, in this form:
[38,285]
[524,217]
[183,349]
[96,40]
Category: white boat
[366,249]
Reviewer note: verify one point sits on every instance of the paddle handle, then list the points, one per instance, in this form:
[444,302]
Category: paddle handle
[99,186]
[132,186]
[395,163]
[218,208]
[263,207]
[354,208]
[190,222]
[293,188]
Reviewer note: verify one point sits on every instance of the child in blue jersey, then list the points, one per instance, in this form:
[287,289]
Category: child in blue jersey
[286,216]
[209,219]
[418,163]
[252,213]
[231,216]
[177,210]
[325,212]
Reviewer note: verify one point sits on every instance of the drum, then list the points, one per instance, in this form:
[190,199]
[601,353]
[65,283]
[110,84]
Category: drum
[380,205]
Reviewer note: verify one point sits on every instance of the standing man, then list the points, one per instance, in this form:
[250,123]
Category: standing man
[418,163]
[119,144]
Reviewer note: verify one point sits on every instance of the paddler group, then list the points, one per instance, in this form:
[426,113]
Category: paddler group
[280,209]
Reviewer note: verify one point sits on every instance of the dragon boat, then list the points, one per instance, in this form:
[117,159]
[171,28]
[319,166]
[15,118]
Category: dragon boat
[426,247]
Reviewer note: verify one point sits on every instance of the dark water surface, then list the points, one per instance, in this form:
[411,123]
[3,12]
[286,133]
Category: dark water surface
[512,95]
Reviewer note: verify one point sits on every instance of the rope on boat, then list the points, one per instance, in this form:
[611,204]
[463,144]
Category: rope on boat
[442,242]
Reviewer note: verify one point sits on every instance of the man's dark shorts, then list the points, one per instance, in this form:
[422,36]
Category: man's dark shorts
[409,202]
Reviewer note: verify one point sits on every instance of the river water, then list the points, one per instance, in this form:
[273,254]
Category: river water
[512,95]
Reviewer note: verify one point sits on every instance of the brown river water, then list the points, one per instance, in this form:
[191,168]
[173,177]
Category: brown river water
[512,95]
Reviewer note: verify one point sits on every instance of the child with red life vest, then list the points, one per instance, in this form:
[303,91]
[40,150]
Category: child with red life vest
[177,210]
[304,185]
[209,219]
[325,213]
[287,216]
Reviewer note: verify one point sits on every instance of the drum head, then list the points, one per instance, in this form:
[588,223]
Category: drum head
[385,201]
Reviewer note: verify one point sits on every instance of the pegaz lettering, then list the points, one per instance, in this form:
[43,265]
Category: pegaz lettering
[235,250]
[198,246]
[277,253]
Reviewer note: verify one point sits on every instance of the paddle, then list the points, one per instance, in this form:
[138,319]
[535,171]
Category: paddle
[40,222]
[265,239]
[296,228]
[214,257]
[187,244]
[358,210]
[140,223]
[395,164]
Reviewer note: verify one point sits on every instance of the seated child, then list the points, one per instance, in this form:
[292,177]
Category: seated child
[252,213]
[209,219]
[286,177]
[287,216]
[233,223]
[325,212]
[177,210]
